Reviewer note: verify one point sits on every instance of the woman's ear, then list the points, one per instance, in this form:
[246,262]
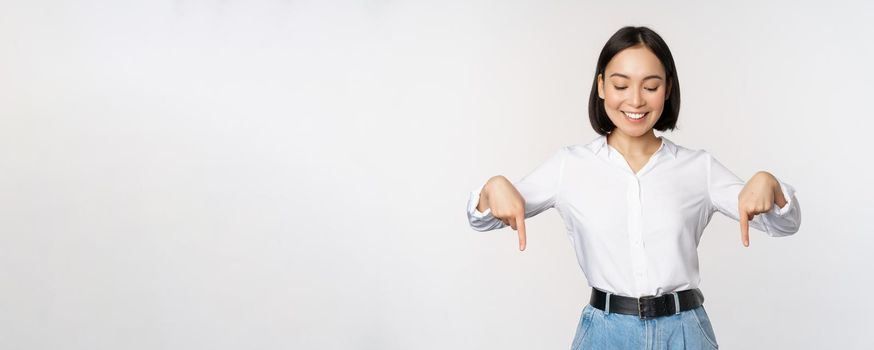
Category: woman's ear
[600,86]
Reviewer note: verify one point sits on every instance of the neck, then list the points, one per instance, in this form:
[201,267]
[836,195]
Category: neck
[643,145]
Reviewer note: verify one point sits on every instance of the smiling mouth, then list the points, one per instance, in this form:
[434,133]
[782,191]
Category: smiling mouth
[635,115]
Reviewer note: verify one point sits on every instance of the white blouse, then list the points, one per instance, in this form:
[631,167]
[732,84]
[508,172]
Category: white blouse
[644,242]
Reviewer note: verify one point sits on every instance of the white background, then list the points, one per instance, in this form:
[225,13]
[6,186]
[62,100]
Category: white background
[293,174]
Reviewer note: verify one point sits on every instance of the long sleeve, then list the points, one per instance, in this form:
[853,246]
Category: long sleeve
[724,188]
[539,189]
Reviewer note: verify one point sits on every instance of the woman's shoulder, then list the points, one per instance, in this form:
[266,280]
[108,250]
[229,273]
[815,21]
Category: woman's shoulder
[592,146]
[683,151]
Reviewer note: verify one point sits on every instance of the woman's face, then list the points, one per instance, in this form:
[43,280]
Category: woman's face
[634,84]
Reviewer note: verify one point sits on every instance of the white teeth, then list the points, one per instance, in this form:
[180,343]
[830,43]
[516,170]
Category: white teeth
[634,115]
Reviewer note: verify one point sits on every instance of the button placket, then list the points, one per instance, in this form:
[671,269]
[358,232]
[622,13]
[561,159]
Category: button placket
[635,232]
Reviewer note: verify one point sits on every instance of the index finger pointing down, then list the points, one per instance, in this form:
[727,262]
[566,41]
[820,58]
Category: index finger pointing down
[520,225]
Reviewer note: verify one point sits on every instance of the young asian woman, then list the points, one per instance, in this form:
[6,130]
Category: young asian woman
[635,204]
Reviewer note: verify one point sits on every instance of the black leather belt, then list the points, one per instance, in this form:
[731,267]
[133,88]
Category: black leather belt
[648,307]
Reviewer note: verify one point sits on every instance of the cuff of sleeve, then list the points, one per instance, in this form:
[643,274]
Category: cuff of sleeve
[474,201]
[788,194]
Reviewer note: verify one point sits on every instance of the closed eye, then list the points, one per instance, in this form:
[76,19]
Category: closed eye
[624,87]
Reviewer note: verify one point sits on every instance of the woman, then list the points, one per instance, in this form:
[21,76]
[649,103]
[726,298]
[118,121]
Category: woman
[635,204]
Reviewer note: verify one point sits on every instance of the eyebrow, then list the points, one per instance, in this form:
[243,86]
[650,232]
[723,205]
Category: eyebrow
[648,77]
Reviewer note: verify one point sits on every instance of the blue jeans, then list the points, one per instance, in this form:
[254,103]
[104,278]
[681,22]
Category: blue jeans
[689,329]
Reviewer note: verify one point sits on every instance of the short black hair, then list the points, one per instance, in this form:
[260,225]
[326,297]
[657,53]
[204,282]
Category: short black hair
[624,38]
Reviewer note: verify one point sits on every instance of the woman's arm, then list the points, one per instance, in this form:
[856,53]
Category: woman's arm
[539,189]
[763,194]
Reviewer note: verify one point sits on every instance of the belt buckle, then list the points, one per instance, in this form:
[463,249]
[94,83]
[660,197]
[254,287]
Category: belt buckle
[639,307]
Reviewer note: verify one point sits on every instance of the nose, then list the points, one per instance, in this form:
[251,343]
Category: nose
[636,99]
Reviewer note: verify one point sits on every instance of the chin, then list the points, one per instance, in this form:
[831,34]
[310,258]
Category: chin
[637,133]
[634,132]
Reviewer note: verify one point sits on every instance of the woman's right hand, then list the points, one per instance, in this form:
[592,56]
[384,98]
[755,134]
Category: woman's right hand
[506,204]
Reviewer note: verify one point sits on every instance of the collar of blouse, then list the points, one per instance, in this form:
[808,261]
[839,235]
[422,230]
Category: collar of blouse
[600,144]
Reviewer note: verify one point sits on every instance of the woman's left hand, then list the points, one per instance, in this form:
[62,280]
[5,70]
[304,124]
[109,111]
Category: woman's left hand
[758,196]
